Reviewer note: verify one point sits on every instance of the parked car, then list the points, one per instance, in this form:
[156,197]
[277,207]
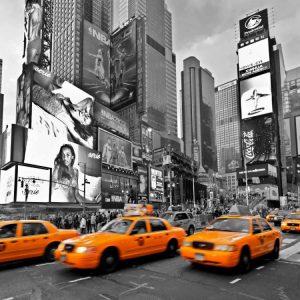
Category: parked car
[181,219]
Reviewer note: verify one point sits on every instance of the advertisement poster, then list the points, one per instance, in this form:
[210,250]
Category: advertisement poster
[258,139]
[96,60]
[7,185]
[254,58]
[143,182]
[123,70]
[115,150]
[297,120]
[256,96]
[70,164]
[156,185]
[38,181]
[287,137]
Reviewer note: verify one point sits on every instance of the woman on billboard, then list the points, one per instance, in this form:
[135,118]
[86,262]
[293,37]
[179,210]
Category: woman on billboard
[65,176]
[76,117]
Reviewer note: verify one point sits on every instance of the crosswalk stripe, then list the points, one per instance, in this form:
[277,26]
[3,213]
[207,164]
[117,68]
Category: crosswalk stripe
[288,241]
[285,253]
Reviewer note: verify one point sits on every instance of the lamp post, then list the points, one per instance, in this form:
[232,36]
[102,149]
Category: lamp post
[85,181]
[26,190]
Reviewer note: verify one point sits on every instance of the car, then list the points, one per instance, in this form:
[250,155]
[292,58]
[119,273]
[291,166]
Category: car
[291,222]
[279,216]
[270,217]
[24,239]
[123,238]
[232,241]
[181,219]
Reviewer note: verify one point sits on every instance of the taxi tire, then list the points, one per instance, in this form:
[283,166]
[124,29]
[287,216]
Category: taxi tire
[172,248]
[112,256]
[191,230]
[275,252]
[49,252]
[244,265]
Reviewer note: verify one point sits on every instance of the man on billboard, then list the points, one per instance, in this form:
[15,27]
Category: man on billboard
[107,151]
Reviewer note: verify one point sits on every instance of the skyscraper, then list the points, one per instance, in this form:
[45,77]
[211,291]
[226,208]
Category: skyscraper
[0,74]
[1,99]
[198,102]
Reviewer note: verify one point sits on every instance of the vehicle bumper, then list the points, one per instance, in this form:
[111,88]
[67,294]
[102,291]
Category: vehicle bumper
[290,228]
[78,260]
[210,257]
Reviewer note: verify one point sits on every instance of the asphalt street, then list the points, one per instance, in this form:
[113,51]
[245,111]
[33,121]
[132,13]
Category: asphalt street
[157,277]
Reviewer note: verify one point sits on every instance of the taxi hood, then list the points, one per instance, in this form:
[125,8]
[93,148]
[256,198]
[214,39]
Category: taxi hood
[218,236]
[94,239]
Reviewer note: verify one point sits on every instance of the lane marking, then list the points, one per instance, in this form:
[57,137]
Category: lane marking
[138,286]
[101,295]
[11,298]
[259,268]
[45,264]
[285,253]
[288,241]
[289,262]
[235,280]
[79,279]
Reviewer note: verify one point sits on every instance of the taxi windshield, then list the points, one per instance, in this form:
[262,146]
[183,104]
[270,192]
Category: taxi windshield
[167,216]
[117,226]
[229,224]
[293,217]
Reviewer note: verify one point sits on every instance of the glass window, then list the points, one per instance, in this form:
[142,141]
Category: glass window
[157,225]
[8,231]
[265,225]
[117,226]
[139,227]
[34,229]
[255,227]
[229,224]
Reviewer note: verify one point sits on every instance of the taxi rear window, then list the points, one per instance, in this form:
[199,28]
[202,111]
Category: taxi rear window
[230,224]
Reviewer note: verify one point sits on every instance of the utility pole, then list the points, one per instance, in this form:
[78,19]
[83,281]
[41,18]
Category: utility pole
[26,190]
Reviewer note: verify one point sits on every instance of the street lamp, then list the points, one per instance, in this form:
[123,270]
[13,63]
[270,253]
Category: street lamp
[26,190]
[85,181]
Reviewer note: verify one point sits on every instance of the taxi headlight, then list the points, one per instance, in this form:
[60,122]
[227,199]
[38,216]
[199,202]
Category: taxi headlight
[187,244]
[275,218]
[228,248]
[61,246]
[86,250]
[283,223]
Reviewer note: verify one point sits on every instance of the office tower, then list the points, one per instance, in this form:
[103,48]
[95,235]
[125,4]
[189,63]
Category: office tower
[198,102]
[160,64]
[0,74]
[67,38]
[228,132]
[1,98]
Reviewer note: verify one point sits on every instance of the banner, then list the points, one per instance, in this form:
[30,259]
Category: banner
[96,68]
[7,185]
[156,191]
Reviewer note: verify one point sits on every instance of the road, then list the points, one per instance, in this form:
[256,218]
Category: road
[157,277]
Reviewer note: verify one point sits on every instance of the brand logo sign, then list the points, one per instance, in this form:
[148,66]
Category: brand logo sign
[253,22]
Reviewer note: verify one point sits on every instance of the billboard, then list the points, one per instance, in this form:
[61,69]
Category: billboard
[156,185]
[231,165]
[96,68]
[287,137]
[254,24]
[71,107]
[38,181]
[116,151]
[143,182]
[297,121]
[123,67]
[254,58]
[256,96]
[70,164]
[258,139]
[5,146]
[257,171]
[106,118]
[7,185]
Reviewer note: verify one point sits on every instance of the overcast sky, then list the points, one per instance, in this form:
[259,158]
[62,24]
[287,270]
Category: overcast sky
[205,29]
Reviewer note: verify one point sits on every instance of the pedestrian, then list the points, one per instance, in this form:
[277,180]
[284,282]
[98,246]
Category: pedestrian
[93,222]
[83,225]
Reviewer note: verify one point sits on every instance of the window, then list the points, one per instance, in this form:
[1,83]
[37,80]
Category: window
[8,231]
[255,227]
[157,225]
[139,227]
[265,225]
[180,216]
[34,229]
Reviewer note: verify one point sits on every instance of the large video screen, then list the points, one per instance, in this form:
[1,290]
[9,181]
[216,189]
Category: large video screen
[256,96]
[115,150]
[123,73]
[258,139]
[96,60]
[38,181]
[70,164]
[254,58]
[7,185]
[297,120]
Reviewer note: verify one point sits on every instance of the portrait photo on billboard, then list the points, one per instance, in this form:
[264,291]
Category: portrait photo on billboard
[7,185]
[38,183]
[258,139]
[70,164]
[123,73]
[70,105]
[143,183]
[256,96]
[96,60]
[254,58]
[23,100]
[115,150]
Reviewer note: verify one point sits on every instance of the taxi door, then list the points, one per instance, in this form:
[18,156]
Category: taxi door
[138,243]
[35,238]
[9,243]
[257,239]
[159,235]
[269,236]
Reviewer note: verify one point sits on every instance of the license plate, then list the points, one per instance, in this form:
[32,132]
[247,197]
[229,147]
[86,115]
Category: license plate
[199,257]
[293,228]
[63,258]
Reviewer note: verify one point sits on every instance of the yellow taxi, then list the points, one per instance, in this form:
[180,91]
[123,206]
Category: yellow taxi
[271,216]
[133,235]
[232,241]
[25,239]
[291,222]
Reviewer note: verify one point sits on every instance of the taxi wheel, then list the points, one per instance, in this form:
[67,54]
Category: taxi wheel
[172,248]
[191,230]
[245,261]
[49,252]
[109,261]
[275,253]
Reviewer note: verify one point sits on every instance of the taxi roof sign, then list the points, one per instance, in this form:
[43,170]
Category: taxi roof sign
[240,210]
[138,209]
